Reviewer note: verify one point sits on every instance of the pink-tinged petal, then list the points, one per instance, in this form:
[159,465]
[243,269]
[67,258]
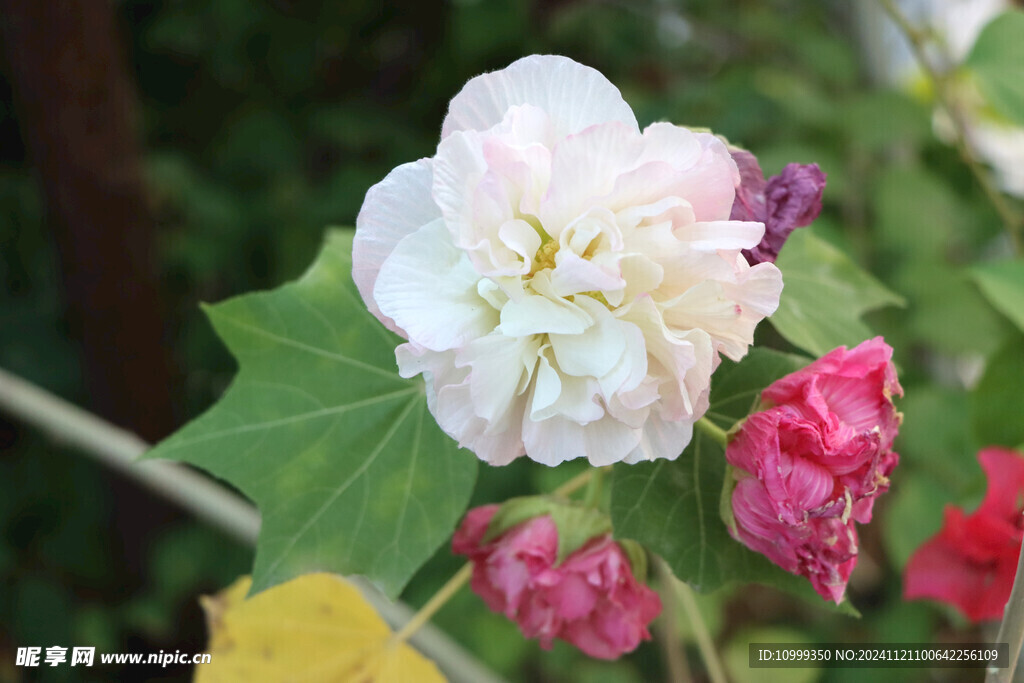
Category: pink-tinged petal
[429,289]
[712,306]
[393,208]
[584,168]
[678,146]
[455,414]
[715,235]
[573,95]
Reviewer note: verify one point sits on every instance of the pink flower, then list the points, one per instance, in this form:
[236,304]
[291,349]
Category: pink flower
[972,561]
[812,462]
[592,599]
[823,549]
[783,203]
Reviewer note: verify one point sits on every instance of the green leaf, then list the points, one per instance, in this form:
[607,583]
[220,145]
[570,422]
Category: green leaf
[940,292]
[576,523]
[881,119]
[997,403]
[1002,284]
[673,507]
[997,60]
[917,213]
[736,387]
[824,296]
[349,469]
[913,515]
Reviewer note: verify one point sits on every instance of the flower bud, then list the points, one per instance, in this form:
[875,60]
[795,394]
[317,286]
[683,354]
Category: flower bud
[783,203]
[592,599]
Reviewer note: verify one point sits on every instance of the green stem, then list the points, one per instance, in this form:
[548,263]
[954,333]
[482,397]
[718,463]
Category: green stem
[714,431]
[575,484]
[592,497]
[716,672]
[666,630]
[449,589]
[919,40]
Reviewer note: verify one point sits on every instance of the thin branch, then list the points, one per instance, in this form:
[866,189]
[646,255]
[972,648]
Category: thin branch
[919,39]
[714,431]
[716,672]
[449,589]
[667,631]
[217,506]
[1012,629]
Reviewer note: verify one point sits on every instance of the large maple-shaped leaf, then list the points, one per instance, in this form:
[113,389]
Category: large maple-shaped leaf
[824,295]
[348,468]
[673,507]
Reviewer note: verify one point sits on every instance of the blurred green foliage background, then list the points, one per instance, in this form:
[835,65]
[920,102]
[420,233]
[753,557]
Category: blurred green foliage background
[264,121]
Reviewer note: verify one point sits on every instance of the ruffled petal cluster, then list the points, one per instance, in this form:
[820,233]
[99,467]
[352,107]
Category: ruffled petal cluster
[972,561]
[592,599]
[813,461]
[565,281]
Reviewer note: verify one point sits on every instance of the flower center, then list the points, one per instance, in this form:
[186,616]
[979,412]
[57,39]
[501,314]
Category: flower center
[545,256]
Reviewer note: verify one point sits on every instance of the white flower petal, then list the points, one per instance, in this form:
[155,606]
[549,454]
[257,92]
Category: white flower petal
[535,314]
[596,350]
[429,288]
[661,439]
[726,235]
[556,440]
[393,208]
[574,96]
[498,365]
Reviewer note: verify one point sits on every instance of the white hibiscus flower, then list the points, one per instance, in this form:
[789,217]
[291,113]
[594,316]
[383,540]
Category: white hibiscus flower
[565,281]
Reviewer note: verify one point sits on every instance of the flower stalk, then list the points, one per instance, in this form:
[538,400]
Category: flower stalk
[449,589]
[684,595]
[919,40]
[713,431]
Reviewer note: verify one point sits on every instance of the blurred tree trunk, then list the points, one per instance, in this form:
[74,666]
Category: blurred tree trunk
[77,113]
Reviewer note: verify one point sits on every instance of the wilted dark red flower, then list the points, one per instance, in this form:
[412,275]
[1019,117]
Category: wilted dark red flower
[783,203]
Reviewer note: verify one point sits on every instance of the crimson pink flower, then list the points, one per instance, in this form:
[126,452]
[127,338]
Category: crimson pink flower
[813,461]
[971,562]
[591,599]
[824,549]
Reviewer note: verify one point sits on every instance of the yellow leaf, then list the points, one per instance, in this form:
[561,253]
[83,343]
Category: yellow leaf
[317,627]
